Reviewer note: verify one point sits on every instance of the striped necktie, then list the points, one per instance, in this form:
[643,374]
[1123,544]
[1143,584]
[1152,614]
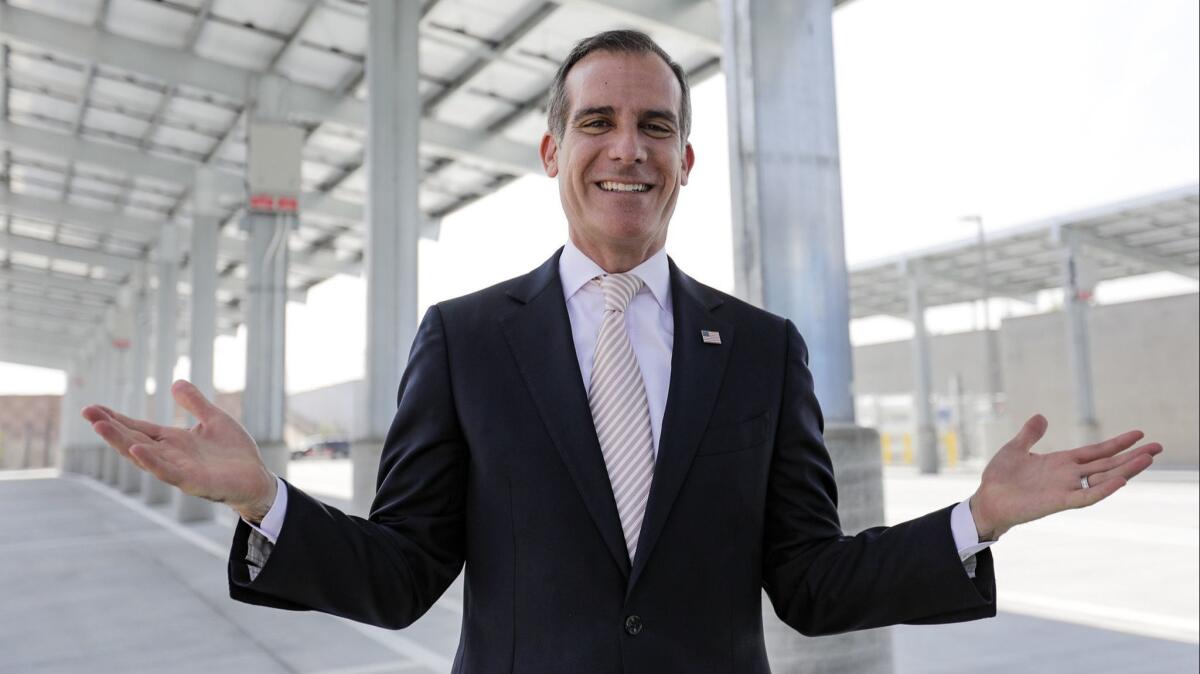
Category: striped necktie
[620,413]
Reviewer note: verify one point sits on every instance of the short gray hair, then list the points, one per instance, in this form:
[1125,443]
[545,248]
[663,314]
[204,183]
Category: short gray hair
[618,42]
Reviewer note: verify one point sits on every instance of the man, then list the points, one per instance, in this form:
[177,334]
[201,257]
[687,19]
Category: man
[622,456]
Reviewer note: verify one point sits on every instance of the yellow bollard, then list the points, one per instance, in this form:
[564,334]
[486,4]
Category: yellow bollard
[951,441]
[908,450]
[885,445]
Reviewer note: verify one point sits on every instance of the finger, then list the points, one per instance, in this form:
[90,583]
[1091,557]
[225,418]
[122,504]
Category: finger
[115,435]
[1100,450]
[153,462]
[1082,498]
[147,428]
[1125,471]
[1030,433]
[191,399]
[1101,465]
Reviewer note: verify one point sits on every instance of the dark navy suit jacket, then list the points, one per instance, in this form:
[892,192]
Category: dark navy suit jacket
[492,460]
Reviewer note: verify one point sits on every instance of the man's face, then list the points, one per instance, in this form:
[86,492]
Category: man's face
[620,162]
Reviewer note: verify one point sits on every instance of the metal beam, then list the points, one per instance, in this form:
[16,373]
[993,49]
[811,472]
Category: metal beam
[22,355]
[62,251]
[131,162]
[316,263]
[50,340]
[696,20]
[44,279]
[171,65]
[1141,256]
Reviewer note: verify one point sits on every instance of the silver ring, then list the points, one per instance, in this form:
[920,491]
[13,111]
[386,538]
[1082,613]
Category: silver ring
[1083,482]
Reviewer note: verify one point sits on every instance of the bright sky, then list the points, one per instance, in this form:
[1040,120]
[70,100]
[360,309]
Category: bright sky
[1012,109]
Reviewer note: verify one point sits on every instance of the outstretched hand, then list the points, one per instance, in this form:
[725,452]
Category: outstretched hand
[1020,486]
[216,459]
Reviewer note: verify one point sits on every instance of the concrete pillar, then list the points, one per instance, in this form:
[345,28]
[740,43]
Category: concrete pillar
[206,222]
[273,177]
[89,450]
[68,409]
[1077,293]
[165,342]
[113,385]
[926,433]
[790,257]
[130,480]
[393,224]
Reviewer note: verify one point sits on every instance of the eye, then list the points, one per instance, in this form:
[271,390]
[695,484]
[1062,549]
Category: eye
[659,129]
[594,124]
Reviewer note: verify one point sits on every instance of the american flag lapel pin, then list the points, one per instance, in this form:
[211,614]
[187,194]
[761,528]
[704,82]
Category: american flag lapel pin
[710,336]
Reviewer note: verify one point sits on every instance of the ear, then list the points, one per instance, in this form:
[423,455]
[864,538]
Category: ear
[549,153]
[689,160]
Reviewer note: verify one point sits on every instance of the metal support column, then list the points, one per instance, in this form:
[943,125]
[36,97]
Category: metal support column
[164,348]
[790,257]
[135,400]
[206,221]
[393,224]
[1077,293]
[926,435]
[273,178]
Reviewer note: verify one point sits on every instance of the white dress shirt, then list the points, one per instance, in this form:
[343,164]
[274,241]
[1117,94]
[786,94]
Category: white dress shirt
[651,327]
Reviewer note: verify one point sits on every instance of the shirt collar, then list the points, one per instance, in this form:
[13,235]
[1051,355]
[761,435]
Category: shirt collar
[575,269]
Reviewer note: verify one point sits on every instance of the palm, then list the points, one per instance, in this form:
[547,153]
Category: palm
[215,459]
[1020,486]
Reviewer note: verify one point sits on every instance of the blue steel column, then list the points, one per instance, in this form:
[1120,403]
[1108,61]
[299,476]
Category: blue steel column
[926,436]
[135,401]
[393,217]
[274,158]
[1076,294]
[202,263]
[789,257]
[166,336]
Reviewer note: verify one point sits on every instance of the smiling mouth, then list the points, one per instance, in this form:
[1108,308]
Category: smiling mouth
[610,186]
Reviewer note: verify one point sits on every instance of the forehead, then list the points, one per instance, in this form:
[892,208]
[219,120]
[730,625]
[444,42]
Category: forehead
[622,81]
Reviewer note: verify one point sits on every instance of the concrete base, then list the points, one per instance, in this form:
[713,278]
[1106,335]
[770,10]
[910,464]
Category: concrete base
[129,478]
[110,461]
[364,457]
[276,457]
[1086,433]
[928,461]
[95,464]
[858,468]
[154,491]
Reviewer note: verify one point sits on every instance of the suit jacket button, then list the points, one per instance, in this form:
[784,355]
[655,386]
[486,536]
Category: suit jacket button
[633,625]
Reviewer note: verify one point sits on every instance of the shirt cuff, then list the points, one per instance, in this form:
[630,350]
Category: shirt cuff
[272,523]
[962,526]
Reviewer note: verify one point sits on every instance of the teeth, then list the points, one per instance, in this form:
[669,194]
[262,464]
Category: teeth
[609,186]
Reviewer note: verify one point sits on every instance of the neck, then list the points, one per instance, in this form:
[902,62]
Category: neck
[617,259]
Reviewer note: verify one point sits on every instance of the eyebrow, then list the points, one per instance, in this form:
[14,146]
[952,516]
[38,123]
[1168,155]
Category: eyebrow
[608,110]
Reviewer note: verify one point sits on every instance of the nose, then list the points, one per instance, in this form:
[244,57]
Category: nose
[627,146]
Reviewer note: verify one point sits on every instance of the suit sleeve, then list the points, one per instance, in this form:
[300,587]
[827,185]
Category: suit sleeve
[821,581]
[386,570]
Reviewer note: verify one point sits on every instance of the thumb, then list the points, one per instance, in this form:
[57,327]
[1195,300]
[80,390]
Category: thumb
[191,399]
[1030,433]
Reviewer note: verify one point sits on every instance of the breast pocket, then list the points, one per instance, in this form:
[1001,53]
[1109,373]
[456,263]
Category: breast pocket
[739,436]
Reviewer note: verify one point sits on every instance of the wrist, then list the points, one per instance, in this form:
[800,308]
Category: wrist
[984,529]
[256,510]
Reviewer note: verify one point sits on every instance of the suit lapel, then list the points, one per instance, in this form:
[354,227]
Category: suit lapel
[696,372]
[539,335]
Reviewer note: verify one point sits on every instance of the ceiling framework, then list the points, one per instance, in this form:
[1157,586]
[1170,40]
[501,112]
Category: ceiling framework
[1153,233]
[108,107]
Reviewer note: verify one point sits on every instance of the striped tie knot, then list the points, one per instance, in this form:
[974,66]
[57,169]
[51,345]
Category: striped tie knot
[619,290]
